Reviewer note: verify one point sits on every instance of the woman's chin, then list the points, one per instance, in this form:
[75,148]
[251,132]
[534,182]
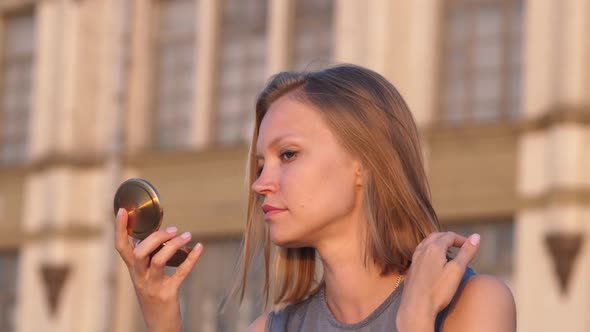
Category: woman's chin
[285,240]
[281,241]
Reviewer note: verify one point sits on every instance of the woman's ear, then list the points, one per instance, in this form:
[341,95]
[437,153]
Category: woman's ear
[359,174]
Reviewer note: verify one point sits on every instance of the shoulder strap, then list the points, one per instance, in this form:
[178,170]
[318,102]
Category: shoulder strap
[277,321]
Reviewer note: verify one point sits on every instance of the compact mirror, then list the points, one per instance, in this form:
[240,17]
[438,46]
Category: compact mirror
[142,202]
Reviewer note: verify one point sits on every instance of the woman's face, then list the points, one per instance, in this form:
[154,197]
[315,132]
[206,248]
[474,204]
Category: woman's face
[310,183]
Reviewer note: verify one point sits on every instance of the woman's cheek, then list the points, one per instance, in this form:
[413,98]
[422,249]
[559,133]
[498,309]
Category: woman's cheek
[298,187]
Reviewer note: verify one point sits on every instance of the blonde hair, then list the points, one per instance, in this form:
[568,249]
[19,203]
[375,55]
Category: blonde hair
[371,120]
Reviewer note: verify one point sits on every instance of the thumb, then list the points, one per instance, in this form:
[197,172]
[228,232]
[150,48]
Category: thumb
[468,250]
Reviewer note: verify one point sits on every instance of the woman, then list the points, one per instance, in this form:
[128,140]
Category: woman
[336,170]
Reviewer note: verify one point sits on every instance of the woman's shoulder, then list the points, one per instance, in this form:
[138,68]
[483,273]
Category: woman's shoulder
[291,314]
[259,324]
[271,321]
[483,303]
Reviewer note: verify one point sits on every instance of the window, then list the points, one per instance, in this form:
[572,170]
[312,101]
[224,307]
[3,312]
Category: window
[8,286]
[16,89]
[174,77]
[243,50]
[481,67]
[497,245]
[313,42]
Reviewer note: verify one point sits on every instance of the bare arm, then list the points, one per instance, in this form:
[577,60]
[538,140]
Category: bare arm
[485,304]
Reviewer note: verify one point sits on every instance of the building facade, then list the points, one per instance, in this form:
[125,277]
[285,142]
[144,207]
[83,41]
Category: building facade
[96,91]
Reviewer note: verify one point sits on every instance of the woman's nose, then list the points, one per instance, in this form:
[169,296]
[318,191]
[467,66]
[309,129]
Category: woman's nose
[265,183]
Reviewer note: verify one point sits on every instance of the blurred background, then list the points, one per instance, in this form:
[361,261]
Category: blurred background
[93,92]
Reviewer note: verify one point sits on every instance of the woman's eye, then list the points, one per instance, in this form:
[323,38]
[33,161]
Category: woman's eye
[259,171]
[288,155]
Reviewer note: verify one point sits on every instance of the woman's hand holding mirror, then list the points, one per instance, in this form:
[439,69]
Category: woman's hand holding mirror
[139,214]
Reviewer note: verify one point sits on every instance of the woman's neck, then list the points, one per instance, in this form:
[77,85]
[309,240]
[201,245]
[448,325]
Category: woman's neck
[354,287]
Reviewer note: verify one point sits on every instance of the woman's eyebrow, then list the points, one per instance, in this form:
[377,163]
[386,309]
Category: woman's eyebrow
[275,141]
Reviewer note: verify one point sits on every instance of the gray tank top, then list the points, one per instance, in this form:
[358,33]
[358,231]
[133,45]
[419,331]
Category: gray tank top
[313,314]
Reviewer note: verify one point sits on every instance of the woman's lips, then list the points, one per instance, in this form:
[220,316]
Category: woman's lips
[270,210]
[272,213]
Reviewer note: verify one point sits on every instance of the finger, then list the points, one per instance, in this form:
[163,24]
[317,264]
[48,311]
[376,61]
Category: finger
[122,239]
[440,242]
[158,261]
[454,270]
[451,239]
[429,239]
[468,251]
[183,270]
[141,253]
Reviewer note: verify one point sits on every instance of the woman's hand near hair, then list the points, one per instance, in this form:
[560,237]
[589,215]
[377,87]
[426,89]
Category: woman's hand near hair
[484,303]
[432,281]
[157,292]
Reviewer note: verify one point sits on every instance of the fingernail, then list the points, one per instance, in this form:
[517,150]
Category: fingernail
[185,235]
[171,230]
[474,239]
[119,212]
[198,246]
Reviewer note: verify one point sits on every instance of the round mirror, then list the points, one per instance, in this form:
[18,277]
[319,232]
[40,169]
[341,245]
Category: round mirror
[142,202]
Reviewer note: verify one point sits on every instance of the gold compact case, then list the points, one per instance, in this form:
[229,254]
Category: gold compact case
[145,213]
[142,202]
